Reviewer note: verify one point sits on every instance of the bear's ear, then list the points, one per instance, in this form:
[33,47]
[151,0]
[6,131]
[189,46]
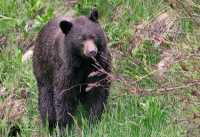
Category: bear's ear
[94,15]
[65,26]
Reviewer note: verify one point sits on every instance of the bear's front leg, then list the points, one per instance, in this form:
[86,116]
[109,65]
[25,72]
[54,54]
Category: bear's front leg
[43,75]
[65,101]
[96,97]
[46,105]
[98,94]
[45,94]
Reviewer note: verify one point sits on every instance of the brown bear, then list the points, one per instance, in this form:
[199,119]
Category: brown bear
[69,55]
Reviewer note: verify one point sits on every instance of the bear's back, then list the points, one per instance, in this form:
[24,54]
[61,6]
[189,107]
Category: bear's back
[46,39]
[50,31]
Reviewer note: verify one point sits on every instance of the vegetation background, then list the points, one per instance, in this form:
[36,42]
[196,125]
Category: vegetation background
[156,65]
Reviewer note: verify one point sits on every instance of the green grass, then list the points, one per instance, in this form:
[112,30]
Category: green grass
[126,115]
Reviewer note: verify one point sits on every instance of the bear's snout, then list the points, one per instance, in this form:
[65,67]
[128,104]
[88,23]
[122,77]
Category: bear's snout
[89,48]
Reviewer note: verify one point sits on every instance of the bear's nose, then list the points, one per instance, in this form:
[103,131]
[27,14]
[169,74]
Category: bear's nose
[92,53]
[89,48]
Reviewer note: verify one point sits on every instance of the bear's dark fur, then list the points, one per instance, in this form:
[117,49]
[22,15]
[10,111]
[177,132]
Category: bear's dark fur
[62,70]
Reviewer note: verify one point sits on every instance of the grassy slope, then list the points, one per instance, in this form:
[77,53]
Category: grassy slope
[125,116]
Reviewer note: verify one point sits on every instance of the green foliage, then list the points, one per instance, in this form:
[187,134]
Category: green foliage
[187,26]
[13,73]
[139,65]
[12,17]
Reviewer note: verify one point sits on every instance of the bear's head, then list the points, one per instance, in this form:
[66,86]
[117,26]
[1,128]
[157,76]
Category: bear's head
[84,35]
